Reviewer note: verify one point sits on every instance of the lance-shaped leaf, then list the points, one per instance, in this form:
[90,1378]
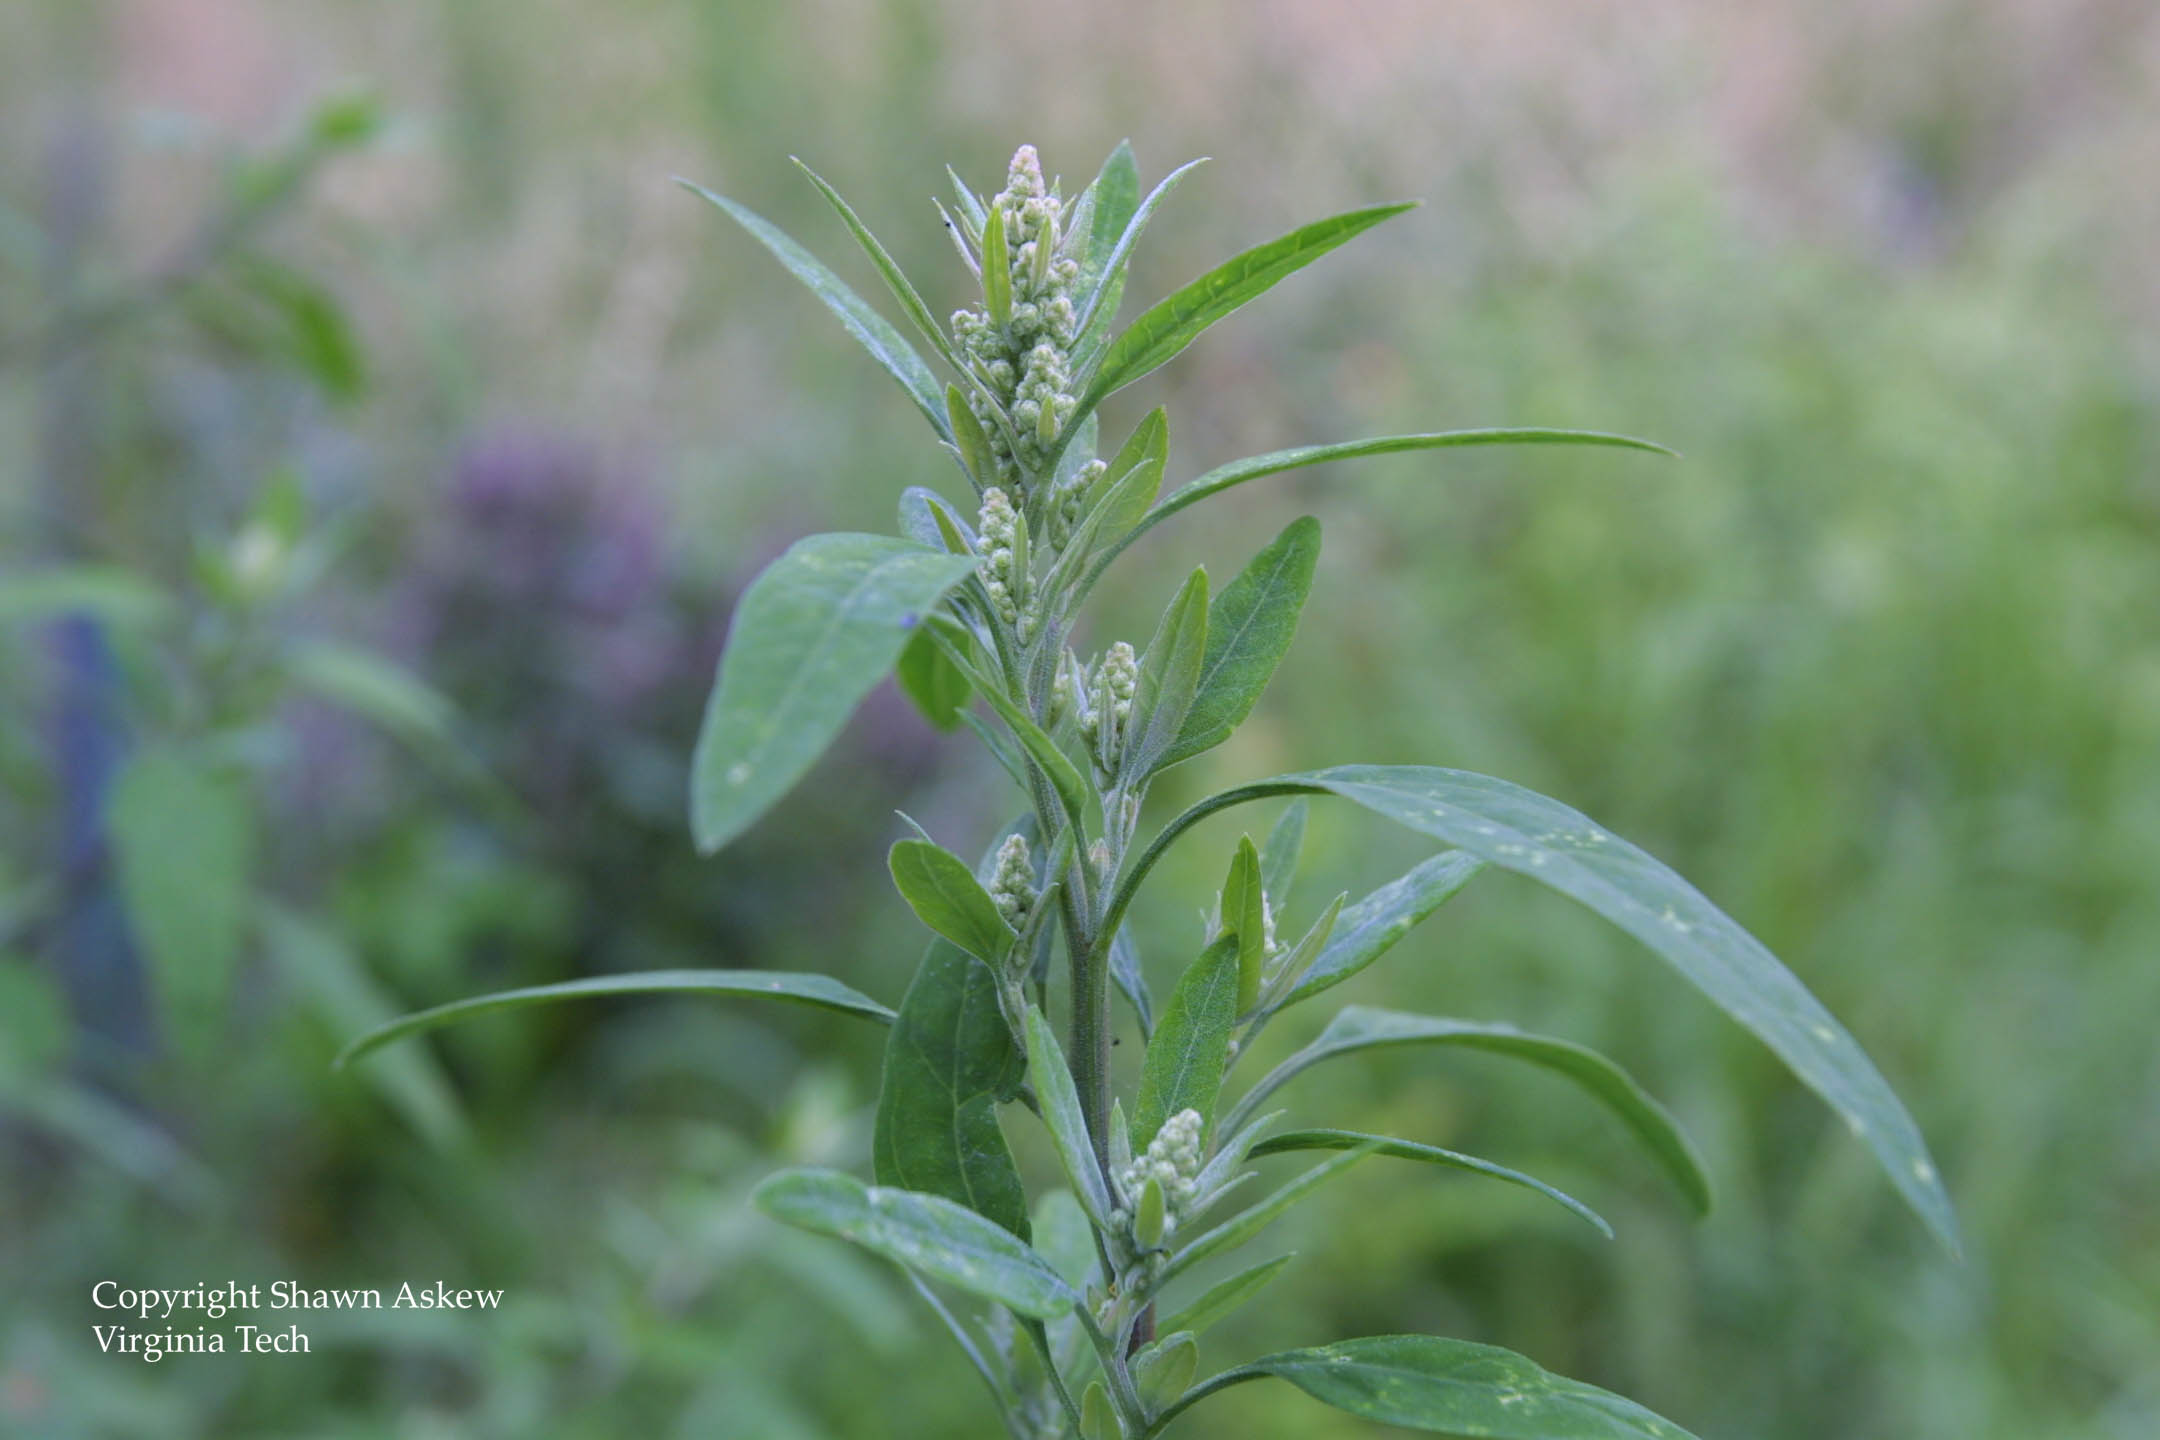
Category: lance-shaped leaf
[1225,1297]
[1108,281]
[1249,629]
[1359,1028]
[1279,854]
[1430,1155]
[811,636]
[1184,1065]
[1250,1221]
[1056,765]
[1059,1102]
[1242,910]
[875,333]
[1169,675]
[1126,970]
[1106,208]
[1523,831]
[938,688]
[902,289]
[950,1059]
[1131,478]
[928,1234]
[1365,931]
[819,990]
[945,895]
[1176,321]
[1454,1387]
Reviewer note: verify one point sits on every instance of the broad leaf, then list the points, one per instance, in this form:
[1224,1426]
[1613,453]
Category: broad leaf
[1249,629]
[1177,320]
[184,840]
[1061,1115]
[819,990]
[926,1233]
[949,1061]
[875,333]
[1522,831]
[938,688]
[945,895]
[1221,1299]
[1185,1060]
[1359,1028]
[1365,931]
[1454,1387]
[811,636]
[1169,675]
[1430,1154]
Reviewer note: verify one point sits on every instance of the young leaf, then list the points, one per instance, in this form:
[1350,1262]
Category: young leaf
[926,1233]
[903,290]
[1454,1387]
[1169,674]
[1279,853]
[1358,1028]
[1110,274]
[875,333]
[929,521]
[1110,203]
[950,1059]
[996,269]
[1131,479]
[1430,1154]
[1184,1065]
[810,637]
[1064,776]
[939,689]
[969,439]
[1175,322]
[1060,1105]
[1244,915]
[1125,969]
[1522,831]
[819,990]
[1367,930]
[1248,632]
[1225,1297]
[946,896]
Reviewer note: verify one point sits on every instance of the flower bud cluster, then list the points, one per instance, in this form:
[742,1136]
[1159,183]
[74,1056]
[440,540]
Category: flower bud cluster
[1012,883]
[1026,363]
[1172,1162]
[1063,511]
[1004,573]
[1110,701]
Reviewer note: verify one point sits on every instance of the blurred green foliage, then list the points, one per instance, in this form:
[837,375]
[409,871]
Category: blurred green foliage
[1878,665]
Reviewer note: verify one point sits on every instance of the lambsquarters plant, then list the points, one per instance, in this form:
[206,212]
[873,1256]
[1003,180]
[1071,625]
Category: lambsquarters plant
[1084,1313]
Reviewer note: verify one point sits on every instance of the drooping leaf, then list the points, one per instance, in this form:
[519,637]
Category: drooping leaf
[945,895]
[950,1059]
[1367,930]
[1359,1028]
[1225,1297]
[1184,1065]
[184,840]
[1061,1115]
[1454,1387]
[1243,908]
[938,688]
[928,1234]
[1172,323]
[1295,1140]
[1279,853]
[1169,675]
[819,990]
[1249,629]
[1522,831]
[811,636]
[885,344]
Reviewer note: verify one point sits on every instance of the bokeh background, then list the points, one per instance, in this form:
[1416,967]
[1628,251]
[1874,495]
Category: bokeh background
[383,436]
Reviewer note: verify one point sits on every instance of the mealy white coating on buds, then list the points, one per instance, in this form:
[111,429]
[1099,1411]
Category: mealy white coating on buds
[1063,511]
[999,526]
[1012,882]
[1110,700]
[1026,365]
[1173,1160]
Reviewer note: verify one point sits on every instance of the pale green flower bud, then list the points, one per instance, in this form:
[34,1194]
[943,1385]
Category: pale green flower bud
[1012,883]
[1117,676]
[999,525]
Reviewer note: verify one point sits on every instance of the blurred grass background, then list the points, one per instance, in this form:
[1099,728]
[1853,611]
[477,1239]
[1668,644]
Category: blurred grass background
[377,333]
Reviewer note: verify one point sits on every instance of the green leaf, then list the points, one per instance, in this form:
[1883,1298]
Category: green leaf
[1522,831]
[1064,776]
[1431,1154]
[938,688]
[949,1061]
[107,594]
[946,896]
[996,268]
[1111,201]
[1250,1221]
[1359,1028]
[1176,321]
[926,1233]
[1279,853]
[902,289]
[1169,676]
[1249,629]
[1243,912]
[1454,1387]
[184,841]
[1126,970]
[872,330]
[1059,1102]
[969,439]
[315,335]
[811,636]
[1221,1299]
[1111,272]
[820,990]
[1129,483]
[1184,1065]
[375,688]
[1367,930]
